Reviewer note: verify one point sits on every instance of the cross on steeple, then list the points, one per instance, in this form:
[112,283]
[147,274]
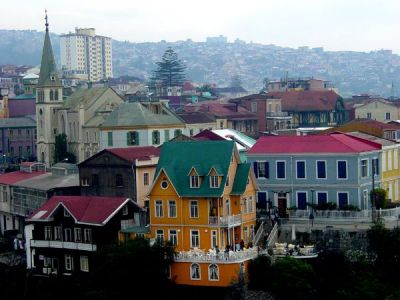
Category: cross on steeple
[47,21]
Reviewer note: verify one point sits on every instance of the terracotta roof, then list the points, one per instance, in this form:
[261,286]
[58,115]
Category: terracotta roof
[332,143]
[208,135]
[196,117]
[85,209]
[373,123]
[14,177]
[131,154]
[227,110]
[306,100]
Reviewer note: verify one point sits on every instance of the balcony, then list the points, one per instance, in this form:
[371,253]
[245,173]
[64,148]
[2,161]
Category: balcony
[230,221]
[212,256]
[63,245]
[273,114]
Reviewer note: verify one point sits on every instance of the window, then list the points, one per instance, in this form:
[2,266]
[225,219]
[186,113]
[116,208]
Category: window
[245,204]
[156,137]
[343,199]
[194,209]
[119,182]
[159,209]
[166,135]
[301,200]
[66,213]
[84,182]
[177,132]
[214,181]
[164,184]
[194,238]
[375,166]
[300,169]
[78,234]
[195,272]
[47,233]
[173,237]
[67,235]
[280,170]
[146,178]
[87,235]
[110,138]
[214,241]
[190,132]
[132,138]
[250,204]
[369,115]
[261,169]
[322,198]
[227,180]
[342,169]
[68,262]
[254,107]
[57,233]
[321,169]
[364,168]
[387,116]
[213,272]
[125,210]
[84,262]
[95,179]
[160,235]
[172,209]
[194,181]
[221,124]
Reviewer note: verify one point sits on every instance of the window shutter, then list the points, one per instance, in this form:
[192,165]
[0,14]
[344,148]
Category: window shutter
[255,169]
[128,140]
[266,167]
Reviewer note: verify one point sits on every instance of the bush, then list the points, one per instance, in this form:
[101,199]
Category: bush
[380,197]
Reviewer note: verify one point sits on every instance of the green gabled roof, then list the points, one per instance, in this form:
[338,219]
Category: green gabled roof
[178,158]
[136,114]
[48,71]
[242,173]
[84,97]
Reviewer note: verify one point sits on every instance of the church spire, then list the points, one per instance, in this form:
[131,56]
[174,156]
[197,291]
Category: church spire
[48,71]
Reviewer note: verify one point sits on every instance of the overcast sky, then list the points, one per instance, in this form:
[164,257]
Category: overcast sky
[361,25]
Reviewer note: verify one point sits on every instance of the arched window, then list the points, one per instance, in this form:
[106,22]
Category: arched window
[51,95]
[56,95]
[42,157]
[213,272]
[195,272]
[74,137]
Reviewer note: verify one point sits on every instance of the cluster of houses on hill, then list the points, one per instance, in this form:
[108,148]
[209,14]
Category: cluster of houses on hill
[193,174]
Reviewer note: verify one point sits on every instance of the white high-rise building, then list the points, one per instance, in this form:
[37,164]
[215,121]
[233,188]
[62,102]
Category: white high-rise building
[85,55]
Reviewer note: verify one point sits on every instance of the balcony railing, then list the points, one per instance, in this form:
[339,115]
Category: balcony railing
[63,245]
[391,213]
[233,220]
[277,114]
[212,256]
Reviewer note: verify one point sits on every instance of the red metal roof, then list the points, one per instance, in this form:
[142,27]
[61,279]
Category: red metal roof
[332,143]
[208,135]
[16,176]
[133,153]
[306,100]
[85,209]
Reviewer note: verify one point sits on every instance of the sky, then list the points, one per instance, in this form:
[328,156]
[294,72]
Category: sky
[359,25]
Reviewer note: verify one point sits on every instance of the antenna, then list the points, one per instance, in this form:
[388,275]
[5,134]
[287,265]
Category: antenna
[47,21]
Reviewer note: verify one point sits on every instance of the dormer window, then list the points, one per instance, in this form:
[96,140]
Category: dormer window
[66,213]
[194,181]
[52,78]
[214,181]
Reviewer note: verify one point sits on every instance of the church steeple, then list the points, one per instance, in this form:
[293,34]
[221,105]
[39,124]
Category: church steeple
[48,71]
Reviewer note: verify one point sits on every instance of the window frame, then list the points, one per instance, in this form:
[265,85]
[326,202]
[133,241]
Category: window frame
[194,181]
[297,199]
[210,273]
[316,170]
[160,237]
[214,182]
[146,179]
[68,260]
[158,209]
[84,263]
[337,197]
[193,237]
[169,209]
[191,271]
[173,237]
[196,209]
[76,231]
[317,193]
[362,168]
[346,169]
[284,169]
[57,233]
[297,169]
[87,235]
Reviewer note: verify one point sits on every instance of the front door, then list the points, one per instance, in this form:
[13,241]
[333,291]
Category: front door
[282,205]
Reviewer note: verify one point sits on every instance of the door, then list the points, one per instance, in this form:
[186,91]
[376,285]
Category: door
[282,205]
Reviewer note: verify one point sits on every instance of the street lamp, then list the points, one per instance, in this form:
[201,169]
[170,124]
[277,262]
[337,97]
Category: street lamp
[312,208]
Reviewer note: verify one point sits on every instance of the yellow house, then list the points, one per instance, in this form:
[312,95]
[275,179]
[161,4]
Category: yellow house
[203,201]
[390,165]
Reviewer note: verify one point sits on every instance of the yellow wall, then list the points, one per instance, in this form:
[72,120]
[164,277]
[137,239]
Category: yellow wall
[228,274]
[390,171]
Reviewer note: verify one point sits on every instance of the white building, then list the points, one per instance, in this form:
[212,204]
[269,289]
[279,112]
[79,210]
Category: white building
[86,55]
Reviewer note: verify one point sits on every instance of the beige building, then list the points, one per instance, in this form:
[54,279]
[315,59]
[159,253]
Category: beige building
[86,55]
[379,110]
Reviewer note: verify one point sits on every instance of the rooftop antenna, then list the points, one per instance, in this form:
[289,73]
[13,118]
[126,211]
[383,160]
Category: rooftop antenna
[47,20]
[392,92]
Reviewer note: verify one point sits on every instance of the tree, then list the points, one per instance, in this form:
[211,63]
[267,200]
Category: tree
[170,70]
[60,149]
[379,195]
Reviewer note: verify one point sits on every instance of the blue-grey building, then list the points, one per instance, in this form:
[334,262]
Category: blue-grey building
[336,169]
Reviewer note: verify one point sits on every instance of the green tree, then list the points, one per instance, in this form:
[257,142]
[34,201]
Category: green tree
[379,196]
[170,70]
[60,149]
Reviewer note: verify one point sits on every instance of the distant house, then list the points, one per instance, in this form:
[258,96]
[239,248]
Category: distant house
[119,172]
[294,171]
[140,124]
[313,108]
[63,235]
[378,110]
[230,92]
[198,121]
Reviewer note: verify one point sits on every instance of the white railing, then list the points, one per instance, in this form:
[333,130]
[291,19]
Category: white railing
[345,214]
[232,220]
[273,236]
[231,256]
[259,233]
[63,245]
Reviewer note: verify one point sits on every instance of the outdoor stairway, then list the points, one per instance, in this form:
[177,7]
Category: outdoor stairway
[263,231]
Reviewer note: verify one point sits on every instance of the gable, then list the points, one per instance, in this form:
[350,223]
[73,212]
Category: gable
[103,158]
